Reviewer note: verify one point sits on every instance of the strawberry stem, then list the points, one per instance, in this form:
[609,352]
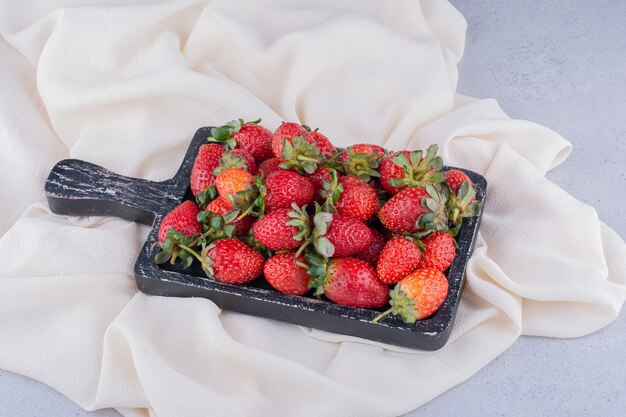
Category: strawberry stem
[454,216]
[193,252]
[306,159]
[246,212]
[202,236]
[301,248]
[386,313]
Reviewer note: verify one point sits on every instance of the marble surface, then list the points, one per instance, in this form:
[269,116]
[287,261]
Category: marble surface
[561,64]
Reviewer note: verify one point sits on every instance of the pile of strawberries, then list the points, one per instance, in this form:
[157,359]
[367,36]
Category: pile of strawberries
[344,224]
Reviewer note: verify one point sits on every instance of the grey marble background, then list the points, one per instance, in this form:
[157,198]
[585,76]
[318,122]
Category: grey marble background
[561,64]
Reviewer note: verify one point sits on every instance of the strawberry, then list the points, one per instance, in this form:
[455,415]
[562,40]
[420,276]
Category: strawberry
[232,261]
[323,143]
[415,210]
[454,178]
[347,281]
[249,164]
[236,158]
[404,169]
[462,201]
[255,139]
[233,180]
[250,136]
[286,131]
[372,252]
[362,160]
[285,273]
[339,236]
[296,149]
[418,295]
[365,148]
[439,252]
[285,187]
[358,199]
[400,256]
[221,206]
[286,228]
[349,236]
[389,170]
[321,174]
[269,166]
[206,161]
[183,218]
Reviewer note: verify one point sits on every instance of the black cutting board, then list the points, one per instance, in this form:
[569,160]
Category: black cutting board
[80,188]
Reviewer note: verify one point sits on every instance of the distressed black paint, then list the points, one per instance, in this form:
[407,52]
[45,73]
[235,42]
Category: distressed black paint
[79,188]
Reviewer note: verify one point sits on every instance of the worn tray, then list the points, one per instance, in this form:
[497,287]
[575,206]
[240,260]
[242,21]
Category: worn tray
[80,188]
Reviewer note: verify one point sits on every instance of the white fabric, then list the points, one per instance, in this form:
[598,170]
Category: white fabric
[126,86]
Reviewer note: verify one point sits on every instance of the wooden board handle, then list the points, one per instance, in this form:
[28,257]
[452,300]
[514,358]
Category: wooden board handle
[80,188]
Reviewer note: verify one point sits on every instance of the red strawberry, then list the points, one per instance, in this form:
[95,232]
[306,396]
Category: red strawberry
[207,160]
[236,158]
[400,256]
[372,252]
[221,206]
[233,180]
[358,199]
[286,187]
[366,148]
[418,295]
[461,200]
[323,143]
[297,149]
[389,170]
[285,275]
[454,178]
[251,137]
[320,175]
[404,169]
[269,166]
[339,236]
[183,218]
[288,131]
[440,251]
[232,261]
[250,164]
[401,213]
[362,160]
[350,282]
[282,229]
[255,139]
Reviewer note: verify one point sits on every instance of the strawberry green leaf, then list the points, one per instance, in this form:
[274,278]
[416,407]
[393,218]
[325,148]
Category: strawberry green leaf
[396,182]
[415,158]
[206,196]
[455,230]
[186,258]
[162,257]
[437,177]
[317,271]
[168,244]
[220,134]
[404,306]
[324,247]
[231,216]
[216,222]
[402,161]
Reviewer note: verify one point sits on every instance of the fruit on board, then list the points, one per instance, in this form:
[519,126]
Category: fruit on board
[183,218]
[417,296]
[286,273]
[349,281]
